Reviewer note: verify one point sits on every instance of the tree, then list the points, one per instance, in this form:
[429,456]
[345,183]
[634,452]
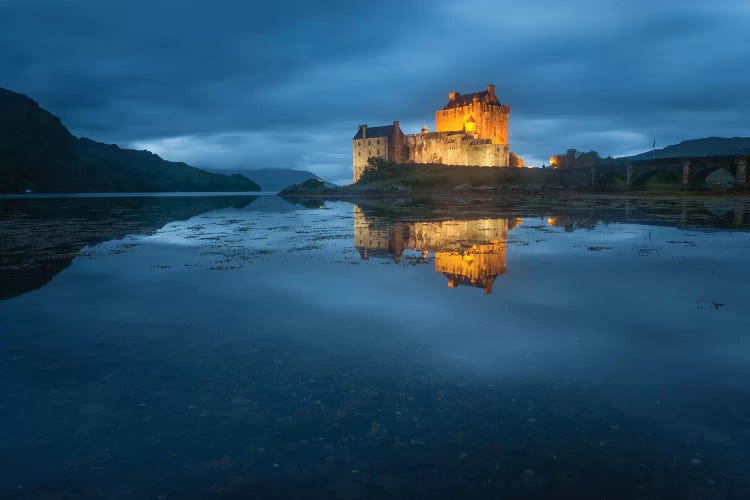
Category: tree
[515,160]
[574,158]
[378,168]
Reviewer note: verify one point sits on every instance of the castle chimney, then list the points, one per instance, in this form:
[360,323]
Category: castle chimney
[396,125]
[491,90]
[452,96]
[363,129]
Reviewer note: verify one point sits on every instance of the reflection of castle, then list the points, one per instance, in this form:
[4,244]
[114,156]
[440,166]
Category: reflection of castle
[470,253]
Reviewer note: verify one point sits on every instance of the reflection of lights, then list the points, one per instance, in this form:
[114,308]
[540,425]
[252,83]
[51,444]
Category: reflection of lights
[553,161]
[552,221]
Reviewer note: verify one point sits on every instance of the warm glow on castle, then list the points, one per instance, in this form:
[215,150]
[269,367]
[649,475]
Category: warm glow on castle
[470,130]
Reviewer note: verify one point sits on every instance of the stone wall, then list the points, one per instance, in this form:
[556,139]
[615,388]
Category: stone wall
[398,147]
[491,120]
[364,149]
[451,148]
[741,175]
[392,147]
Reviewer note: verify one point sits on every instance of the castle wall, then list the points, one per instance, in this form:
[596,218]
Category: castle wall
[364,149]
[491,120]
[398,148]
[391,147]
[456,149]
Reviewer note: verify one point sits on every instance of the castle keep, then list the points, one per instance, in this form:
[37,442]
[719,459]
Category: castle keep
[470,130]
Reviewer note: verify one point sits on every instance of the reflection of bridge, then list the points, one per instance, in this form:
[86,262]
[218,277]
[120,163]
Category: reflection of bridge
[467,252]
[692,172]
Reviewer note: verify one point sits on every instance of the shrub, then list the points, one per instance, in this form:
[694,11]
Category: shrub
[380,169]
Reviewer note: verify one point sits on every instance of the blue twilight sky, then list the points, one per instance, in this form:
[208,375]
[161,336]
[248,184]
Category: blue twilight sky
[238,85]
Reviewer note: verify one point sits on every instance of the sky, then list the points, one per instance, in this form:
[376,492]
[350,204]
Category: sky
[236,85]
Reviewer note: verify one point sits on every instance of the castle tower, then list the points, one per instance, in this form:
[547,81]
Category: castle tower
[385,142]
[479,113]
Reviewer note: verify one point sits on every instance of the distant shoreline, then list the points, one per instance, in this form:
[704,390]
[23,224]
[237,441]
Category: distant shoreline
[566,193]
[390,178]
[167,194]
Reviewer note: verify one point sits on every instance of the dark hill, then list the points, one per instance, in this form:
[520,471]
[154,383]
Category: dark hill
[308,186]
[709,146]
[37,152]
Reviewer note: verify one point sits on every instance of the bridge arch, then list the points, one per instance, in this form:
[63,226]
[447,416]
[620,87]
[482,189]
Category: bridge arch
[642,177]
[699,173]
[685,172]
[611,181]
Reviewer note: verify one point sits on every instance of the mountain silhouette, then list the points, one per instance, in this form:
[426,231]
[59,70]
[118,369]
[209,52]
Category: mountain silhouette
[708,146]
[38,153]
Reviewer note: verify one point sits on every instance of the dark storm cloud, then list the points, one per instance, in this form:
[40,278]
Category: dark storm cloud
[235,85]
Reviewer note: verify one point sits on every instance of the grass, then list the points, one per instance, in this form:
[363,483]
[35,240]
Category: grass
[441,178]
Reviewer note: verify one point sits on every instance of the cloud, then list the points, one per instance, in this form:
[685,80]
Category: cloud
[243,151]
[236,85]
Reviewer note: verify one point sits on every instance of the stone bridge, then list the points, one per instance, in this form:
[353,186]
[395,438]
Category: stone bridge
[691,171]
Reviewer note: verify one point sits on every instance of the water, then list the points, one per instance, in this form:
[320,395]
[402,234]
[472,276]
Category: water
[246,346]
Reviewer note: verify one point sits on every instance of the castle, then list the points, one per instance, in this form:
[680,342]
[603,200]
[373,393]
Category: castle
[470,130]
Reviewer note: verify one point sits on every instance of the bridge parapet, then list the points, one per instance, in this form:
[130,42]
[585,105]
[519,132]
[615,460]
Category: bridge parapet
[691,172]
[741,175]
[687,167]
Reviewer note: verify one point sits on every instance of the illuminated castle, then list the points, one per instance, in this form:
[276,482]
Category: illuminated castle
[470,130]
[467,252]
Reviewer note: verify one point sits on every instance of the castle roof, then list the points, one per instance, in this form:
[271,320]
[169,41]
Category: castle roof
[465,99]
[383,131]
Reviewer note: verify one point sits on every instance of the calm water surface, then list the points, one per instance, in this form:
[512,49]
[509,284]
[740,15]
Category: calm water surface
[252,347]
